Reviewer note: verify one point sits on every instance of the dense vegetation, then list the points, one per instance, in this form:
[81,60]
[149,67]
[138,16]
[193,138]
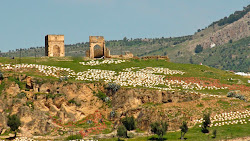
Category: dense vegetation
[14,122]
[198,49]
[159,128]
[233,17]
[231,56]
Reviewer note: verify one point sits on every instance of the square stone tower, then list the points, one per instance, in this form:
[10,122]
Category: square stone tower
[54,46]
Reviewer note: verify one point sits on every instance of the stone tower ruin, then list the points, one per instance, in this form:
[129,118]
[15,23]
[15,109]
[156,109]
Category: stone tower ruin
[94,51]
[54,46]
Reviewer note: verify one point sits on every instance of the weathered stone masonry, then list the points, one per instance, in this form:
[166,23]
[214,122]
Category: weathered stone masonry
[54,46]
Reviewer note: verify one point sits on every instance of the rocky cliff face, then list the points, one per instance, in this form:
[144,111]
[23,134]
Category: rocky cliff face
[145,105]
[66,102]
[37,107]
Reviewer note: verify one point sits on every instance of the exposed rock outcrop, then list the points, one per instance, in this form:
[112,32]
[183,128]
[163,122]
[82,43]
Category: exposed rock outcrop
[66,102]
[235,31]
[127,98]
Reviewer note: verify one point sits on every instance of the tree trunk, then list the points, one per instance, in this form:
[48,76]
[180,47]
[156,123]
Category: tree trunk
[182,137]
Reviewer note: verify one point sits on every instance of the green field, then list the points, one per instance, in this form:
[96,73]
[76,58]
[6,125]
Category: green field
[195,134]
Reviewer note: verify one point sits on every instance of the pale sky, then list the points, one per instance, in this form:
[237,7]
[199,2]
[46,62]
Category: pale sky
[24,23]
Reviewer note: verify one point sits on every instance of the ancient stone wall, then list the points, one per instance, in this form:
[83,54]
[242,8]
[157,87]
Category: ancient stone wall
[155,57]
[54,46]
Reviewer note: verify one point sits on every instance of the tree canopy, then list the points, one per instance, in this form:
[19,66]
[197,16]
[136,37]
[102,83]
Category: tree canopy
[198,49]
[159,128]
[129,123]
[184,129]
[13,122]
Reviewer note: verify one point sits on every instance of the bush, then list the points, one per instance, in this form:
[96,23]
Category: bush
[230,94]
[101,95]
[72,101]
[129,123]
[184,129]
[13,122]
[74,137]
[113,87]
[52,96]
[131,135]
[159,128]
[233,94]
[30,104]
[112,114]
[198,49]
[1,76]
[21,95]
[122,131]
[205,124]
[214,133]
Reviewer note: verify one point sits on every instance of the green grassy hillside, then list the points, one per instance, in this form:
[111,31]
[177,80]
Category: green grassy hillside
[210,83]
[231,56]
[164,70]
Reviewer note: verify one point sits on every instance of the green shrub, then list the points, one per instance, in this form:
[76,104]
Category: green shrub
[159,128]
[113,87]
[13,122]
[205,124]
[52,96]
[184,129]
[72,101]
[101,95]
[234,94]
[199,105]
[1,76]
[112,114]
[129,123]
[30,104]
[131,135]
[198,49]
[74,137]
[21,95]
[214,133]
[122,131]
[231,94]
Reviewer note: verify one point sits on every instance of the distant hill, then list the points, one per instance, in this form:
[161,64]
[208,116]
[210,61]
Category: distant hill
[231,56]
[139,47]
[228,35]
[228,39]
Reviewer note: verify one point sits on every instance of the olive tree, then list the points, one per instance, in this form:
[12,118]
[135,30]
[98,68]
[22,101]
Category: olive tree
[184,129]
[129,123]
[206,122]
[14,122]
[122,131]
[159,128]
